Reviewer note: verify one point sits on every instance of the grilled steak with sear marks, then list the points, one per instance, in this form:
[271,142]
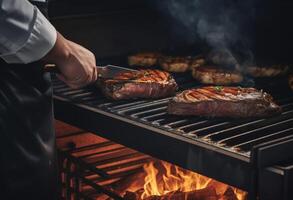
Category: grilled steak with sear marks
[140,84]
[216,76]
[221,101]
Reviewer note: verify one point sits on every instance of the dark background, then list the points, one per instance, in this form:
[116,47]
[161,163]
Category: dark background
[117,28]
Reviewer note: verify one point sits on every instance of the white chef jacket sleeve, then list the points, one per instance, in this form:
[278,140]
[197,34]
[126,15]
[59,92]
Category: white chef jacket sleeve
[25,34]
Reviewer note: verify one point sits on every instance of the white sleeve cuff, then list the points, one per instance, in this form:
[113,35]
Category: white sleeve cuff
[41,40]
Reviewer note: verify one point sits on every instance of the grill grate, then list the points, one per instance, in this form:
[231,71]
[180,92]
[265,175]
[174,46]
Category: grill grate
[195,143]
[239,136]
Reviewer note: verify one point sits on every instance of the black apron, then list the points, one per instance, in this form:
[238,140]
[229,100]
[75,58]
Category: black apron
[28,167]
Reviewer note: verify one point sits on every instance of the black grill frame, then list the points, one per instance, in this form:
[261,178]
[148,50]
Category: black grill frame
[85,109]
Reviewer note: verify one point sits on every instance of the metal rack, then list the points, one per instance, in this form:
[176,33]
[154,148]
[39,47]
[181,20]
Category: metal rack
[90,171]
[235,148]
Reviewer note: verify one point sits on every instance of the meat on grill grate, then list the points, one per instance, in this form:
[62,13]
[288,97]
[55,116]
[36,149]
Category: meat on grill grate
[175,63]
[220,101]
[145,59]
[267,71]
[181,63]
[216,76]
[140,84]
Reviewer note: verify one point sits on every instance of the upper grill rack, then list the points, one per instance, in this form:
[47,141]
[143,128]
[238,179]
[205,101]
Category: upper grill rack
[238,136]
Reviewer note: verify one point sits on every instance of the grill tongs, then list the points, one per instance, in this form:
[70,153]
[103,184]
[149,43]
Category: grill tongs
[104,72]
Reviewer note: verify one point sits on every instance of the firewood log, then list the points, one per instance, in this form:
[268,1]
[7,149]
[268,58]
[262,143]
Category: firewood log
[229,194]
[131,196]
[208,193]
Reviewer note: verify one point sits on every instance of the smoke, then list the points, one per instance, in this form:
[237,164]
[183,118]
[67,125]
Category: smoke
[224,25]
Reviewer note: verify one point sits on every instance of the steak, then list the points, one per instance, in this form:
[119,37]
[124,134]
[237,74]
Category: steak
[266,71]
[146,59]
[140,84]
[180,63]
[218,101]
[174,64]
[215,75]
[197,61]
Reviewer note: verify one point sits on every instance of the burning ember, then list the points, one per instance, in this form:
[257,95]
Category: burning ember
[164,181]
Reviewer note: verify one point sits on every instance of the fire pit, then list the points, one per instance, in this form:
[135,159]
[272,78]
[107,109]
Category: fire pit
[163,180]
[95,168]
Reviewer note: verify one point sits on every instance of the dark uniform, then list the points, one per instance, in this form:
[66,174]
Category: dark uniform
[28,167]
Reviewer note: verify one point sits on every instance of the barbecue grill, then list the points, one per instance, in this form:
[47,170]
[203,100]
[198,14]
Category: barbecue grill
[231,151]
[246,153]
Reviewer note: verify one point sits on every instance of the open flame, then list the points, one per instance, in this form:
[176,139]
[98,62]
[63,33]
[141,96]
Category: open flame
[163,178]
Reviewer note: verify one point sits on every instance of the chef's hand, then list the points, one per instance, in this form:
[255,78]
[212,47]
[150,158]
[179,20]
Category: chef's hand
[76,64]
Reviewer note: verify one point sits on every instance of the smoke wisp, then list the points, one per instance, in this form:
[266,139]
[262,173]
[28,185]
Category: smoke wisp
[224,25]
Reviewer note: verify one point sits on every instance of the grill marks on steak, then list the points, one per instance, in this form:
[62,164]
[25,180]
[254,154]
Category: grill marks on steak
[223,102]
[140,84]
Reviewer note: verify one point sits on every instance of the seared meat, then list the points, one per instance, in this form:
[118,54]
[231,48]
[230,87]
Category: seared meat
[181,63]
[216,76]
[197,61]
[291,81]
[266,71]
[221,101]
[140,84]
[146,59]
[175,64]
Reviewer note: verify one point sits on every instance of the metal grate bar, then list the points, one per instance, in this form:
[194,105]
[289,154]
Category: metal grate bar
[155,117]
[89,147]
[235,138]
[275,135]
[189,125]
[140,107]
[81,97]
[112,150]
[150,111]
[209,127]
[128,163]
[76,91]
[115,159]
[123,104]
[100,188]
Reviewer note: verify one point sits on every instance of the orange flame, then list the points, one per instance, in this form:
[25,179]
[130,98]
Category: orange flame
[162,178]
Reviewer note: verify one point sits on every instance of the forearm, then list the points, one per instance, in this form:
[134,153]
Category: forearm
[59,53]
[25,34]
